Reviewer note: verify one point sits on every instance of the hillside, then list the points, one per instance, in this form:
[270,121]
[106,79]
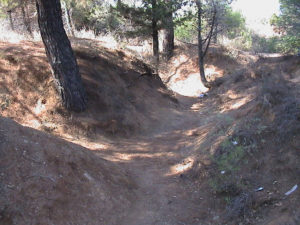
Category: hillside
[149,150]
[128,102]
[46,180]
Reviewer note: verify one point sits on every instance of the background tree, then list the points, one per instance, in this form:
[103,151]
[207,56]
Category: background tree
[203,43]
[287,24]
[8,7]
[67,12]
[24,5]
[60,55]
[228,23]
[144,21]
[20,14]
[170,8]
[207,24]
[150,18]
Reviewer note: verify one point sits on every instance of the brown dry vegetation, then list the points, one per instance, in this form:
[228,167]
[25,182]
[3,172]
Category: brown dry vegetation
[167,160]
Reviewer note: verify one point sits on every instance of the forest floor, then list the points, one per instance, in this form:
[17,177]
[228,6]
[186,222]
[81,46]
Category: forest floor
[143,154]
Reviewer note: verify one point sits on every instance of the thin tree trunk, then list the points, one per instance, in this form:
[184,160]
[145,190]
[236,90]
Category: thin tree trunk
[210,34]
[69,14]
[216,33]
[67,18]
[10,19]
[26,20]
[60,55]
[200,45]
[155,32]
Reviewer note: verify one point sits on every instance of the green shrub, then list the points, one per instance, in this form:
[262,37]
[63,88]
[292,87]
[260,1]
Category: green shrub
[187,31]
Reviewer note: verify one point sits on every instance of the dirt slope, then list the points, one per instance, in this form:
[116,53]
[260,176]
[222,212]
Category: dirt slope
[46,180]
[193,161]
[127,102]
[181,73]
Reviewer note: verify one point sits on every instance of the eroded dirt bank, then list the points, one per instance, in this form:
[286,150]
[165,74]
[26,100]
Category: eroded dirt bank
[143,155]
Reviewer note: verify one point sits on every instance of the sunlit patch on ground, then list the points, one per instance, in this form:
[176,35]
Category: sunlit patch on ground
[212,72]
[130,157]
[192,86]
[182,167]
[236,103]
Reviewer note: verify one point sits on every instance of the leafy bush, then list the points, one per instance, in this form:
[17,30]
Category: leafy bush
[266,45]
[234,24]
[286,24]
[187,31]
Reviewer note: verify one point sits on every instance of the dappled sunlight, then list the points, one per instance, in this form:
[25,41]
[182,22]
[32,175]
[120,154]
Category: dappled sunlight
[236,103]
[197,106]
[14,37]
[92,145]
[180,59]
[11,36]
[180,168]
[191,86]
[107,41]
[185,80]
[212,72]
[240,103]
[129,157]
[153,145]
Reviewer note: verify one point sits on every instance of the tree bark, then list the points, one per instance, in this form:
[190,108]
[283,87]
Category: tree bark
[168,32]
[67,18]
[26,20]
[216,32]
[10,19]
[155,32]
[200,45]
[69,14]
[60,55]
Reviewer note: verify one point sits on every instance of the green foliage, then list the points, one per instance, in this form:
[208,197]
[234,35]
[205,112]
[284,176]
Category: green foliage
[266,44]
[229,160]
[234,23]
[137,20]
[230,24]
[186,30]
[91,15]
[6,5]
[287,24]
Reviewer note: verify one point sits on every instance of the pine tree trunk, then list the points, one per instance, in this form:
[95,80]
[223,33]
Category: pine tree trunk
[168,33]
[26,20]
[200,45]
[60,55]
[155,32]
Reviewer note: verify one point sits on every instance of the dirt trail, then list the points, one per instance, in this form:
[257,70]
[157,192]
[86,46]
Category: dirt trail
[170,161]
[157,163]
